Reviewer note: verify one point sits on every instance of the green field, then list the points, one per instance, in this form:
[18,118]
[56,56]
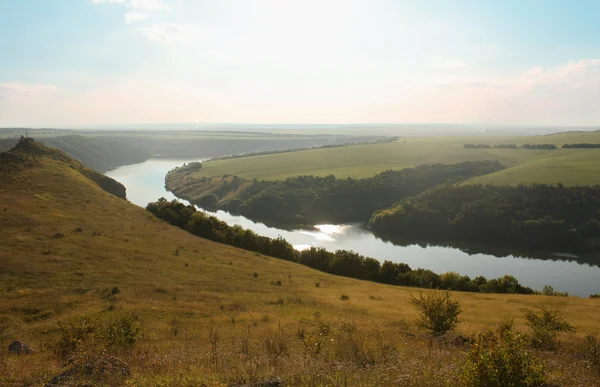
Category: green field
[568,166]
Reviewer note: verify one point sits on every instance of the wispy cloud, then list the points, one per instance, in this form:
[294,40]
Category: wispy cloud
[18,87]
[168,33]
[132,17]
[164,32]
[447,63]
[150,5]
[138,8]
[580,74]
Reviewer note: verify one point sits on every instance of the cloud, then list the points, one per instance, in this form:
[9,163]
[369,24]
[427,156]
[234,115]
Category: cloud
[132,17]
[581,74]
[445,63]
[568,94]
[163,32]
[150,5]
[29,88]
[168,33]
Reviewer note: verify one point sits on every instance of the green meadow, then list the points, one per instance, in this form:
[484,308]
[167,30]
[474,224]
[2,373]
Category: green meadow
[567,166]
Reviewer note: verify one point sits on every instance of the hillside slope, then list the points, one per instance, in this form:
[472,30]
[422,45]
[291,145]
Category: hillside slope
[210,313]
[99,153]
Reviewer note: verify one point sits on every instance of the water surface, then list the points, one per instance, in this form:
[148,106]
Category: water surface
[145,183]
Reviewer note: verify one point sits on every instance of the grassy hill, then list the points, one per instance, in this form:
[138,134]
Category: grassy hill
[526,166]
[210,313]
[99,153]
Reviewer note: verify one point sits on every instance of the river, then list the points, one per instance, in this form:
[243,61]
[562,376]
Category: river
[145,183]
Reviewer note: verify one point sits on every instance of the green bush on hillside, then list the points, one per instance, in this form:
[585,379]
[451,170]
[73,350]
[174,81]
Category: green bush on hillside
[438,313]
[502,359]
[545,325]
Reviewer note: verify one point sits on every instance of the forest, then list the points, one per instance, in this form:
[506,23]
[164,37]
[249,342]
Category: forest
[342,262]
[553,218]
[309,200]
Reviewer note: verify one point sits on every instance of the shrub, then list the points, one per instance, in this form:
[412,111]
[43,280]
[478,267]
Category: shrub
[351,345]
[344,297]
[545,325]
[89,334]
[72,335]
[506,325]
[499,359]
[592,351]
[119,334]
[595,295]
[277,344]
[113,293]
[549,291]
[437,312]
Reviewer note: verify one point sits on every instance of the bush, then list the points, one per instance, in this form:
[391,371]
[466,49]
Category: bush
[72,335]
[549,291]
[437,312]
[90,334]
[119,334]
[592,351]
[501,359]
[545,325]
[354,346]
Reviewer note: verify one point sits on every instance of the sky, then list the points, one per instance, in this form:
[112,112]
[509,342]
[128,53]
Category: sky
[87,62]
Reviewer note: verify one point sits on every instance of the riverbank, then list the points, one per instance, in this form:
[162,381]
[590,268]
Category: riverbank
[145,183]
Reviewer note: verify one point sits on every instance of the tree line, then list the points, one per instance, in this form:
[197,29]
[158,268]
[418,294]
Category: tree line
[358,141]
[552,218]
[512,146]
[532,146]
[582,146]
[342,262]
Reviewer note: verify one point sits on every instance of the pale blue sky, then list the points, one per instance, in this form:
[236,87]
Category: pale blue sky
[70,62]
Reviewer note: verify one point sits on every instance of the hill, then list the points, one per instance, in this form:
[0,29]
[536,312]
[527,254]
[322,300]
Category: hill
[212,314]
[99,153]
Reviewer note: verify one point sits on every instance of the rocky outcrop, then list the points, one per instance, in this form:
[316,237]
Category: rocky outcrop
[102,369]
[19,348]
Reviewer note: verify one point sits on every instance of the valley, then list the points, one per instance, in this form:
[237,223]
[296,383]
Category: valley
[68,244]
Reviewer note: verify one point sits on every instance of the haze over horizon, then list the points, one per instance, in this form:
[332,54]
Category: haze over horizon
[108,62]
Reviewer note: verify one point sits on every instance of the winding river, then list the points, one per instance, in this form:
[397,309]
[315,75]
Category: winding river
[145,183]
